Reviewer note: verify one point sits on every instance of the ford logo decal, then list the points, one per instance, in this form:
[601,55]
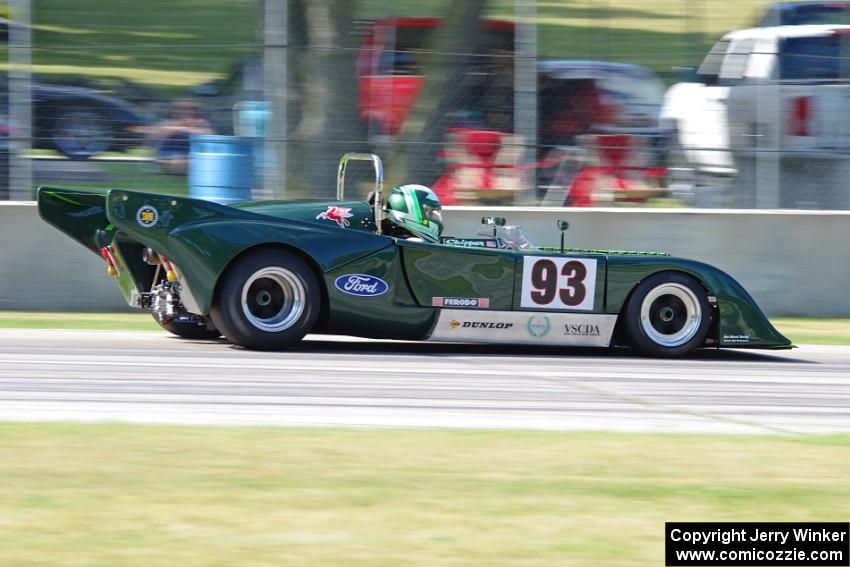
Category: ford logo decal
[361,285]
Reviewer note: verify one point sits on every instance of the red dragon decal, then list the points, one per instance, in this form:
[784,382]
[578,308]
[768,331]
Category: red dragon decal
[339,215]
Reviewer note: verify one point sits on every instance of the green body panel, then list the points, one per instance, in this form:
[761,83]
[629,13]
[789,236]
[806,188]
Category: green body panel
[361,219]
[78,214]
[395,314]
[202,238]
[740,316]
[436,270]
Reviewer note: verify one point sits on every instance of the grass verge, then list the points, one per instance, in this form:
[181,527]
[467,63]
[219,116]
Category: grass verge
[154,496]
[137,321]
[815,331]
[799,330]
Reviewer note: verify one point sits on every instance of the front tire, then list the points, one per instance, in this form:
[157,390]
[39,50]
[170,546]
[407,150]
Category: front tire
[268,300]
[668,315]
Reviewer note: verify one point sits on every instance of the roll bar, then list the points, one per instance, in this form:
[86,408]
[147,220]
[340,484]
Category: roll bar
[379,182]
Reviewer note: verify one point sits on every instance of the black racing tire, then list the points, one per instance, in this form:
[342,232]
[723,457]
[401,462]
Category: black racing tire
[668,315]
[188,329]
[268,300]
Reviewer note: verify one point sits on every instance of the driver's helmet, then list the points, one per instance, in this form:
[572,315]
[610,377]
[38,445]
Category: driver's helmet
[416,209]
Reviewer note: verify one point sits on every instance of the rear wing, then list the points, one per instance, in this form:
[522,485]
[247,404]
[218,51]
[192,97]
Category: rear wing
[79,214]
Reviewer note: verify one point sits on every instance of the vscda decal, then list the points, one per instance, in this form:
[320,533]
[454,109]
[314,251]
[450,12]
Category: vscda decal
[361,285]
[582,330]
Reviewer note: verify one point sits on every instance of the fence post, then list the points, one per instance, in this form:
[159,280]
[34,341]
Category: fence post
[275,87]
[20,100]
[525,86]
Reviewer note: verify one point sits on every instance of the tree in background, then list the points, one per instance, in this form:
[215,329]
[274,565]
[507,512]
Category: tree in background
[415,154]
[323,102]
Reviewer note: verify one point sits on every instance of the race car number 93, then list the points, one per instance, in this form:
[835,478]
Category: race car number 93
[558,283]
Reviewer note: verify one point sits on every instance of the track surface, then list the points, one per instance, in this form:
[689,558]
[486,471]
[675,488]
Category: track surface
[155,378]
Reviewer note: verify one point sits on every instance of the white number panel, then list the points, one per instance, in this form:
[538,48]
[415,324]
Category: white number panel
[558,283]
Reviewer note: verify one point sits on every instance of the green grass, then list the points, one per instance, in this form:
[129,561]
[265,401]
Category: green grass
[661,34]
[815,331]
[158,43]
[135,321]
[800,331]
[170,46]
[135,176]
[129,496]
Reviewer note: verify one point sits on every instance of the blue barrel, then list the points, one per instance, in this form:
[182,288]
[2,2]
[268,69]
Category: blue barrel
[221,168]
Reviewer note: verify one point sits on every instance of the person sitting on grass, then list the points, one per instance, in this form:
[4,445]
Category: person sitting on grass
[171,136]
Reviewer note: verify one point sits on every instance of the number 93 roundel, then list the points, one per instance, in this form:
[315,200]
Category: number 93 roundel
[558,283]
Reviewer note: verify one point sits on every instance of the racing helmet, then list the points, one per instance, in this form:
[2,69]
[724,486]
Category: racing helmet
[416,209]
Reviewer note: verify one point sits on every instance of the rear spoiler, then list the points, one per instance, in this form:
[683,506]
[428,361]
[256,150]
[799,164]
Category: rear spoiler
[79,214]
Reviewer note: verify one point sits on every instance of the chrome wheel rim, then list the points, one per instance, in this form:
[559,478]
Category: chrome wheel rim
[670,315]
[273,299]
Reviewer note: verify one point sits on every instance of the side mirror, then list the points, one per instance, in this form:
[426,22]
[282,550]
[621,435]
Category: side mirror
[494,221]
[563,226]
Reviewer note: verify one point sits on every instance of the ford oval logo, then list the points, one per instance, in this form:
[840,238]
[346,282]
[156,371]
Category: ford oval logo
[361,285]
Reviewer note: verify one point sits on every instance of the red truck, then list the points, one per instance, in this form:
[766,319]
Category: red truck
[390,66]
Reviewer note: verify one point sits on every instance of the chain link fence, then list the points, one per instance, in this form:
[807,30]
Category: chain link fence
[563,102]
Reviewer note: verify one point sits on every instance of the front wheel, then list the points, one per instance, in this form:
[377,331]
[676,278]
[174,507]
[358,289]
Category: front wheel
[268,300]
[668,315]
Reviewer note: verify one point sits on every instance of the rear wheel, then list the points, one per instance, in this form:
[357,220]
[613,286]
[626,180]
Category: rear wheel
[668,315]
[268,300]
[188,328]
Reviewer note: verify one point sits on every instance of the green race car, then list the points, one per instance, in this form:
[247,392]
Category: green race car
[264,274]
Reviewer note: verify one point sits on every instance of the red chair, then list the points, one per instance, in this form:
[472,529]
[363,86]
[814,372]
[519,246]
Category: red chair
[479,161]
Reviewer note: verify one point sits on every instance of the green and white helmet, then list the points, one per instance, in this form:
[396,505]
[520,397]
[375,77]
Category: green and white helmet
[416,209]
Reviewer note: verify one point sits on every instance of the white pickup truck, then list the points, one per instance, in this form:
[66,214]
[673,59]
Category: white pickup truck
[774,91]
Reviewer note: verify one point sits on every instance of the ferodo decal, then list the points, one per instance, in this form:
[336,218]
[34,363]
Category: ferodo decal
[469,302]
[339,215]
[361,285]
[147,216]
[522,327]
[558,283]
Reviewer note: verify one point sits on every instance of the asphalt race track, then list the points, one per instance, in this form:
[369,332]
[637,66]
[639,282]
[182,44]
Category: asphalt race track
[140,377]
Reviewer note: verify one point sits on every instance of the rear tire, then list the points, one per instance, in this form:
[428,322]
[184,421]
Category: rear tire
[188,329]
[268,300]
[668,315]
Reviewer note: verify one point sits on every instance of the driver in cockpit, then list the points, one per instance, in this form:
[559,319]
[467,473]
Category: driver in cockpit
[413,212]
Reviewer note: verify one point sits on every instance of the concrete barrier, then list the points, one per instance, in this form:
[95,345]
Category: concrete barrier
[41,269]
[792,262]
